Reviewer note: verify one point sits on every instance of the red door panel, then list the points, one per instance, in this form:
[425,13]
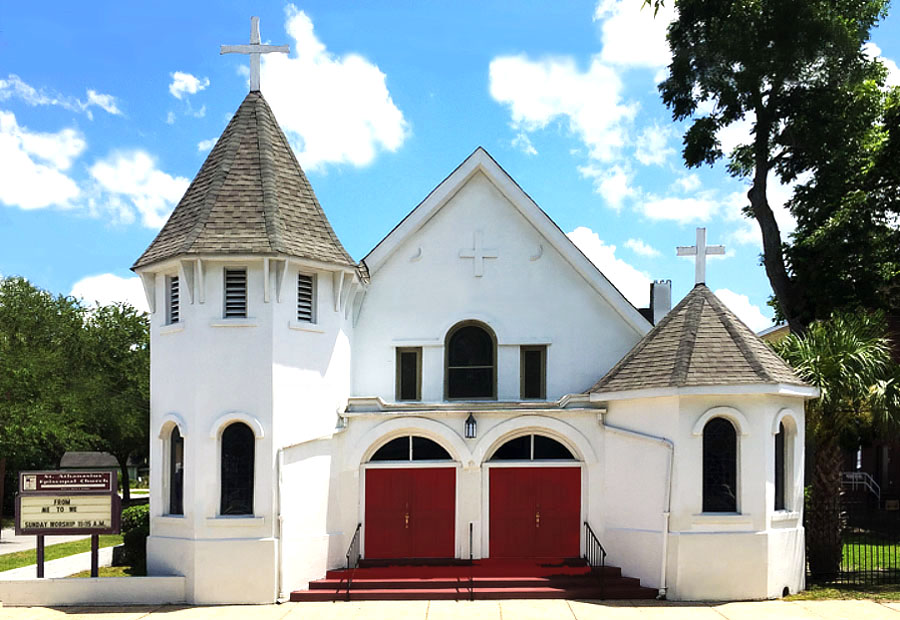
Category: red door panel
[535,512]
[410,512]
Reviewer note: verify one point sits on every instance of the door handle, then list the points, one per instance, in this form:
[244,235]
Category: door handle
[537,518]
[406,517]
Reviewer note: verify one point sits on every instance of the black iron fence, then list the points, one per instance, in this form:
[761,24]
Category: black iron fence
[862,549]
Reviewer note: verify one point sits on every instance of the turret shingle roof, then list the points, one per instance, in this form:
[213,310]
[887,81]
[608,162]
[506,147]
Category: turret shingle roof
[250,197]
[699,343]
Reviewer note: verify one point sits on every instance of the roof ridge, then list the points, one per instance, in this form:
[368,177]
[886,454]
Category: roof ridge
[220,174]
[688,338]
[728,321]
[267,176]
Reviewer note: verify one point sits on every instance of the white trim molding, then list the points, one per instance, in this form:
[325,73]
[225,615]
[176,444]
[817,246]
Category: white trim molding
[780,417]
[729,413]
[168,421]
[448,438]
[563,432]
[236,416]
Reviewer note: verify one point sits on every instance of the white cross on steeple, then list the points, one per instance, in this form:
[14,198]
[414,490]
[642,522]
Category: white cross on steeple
[478,254]
[700,251]
[254,50]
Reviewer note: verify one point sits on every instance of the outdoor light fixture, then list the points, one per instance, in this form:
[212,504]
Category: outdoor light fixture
[471,427]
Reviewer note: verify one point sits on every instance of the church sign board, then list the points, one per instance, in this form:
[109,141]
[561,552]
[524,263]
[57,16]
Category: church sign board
[67,502]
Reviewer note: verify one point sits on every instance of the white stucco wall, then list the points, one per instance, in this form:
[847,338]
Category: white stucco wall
[415,298]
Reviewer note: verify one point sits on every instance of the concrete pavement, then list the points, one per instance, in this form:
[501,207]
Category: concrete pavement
[10,543]
[480,610]
[62,567]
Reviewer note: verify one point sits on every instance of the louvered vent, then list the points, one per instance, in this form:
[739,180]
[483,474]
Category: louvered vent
[235,293]
[305,297]
[173,300]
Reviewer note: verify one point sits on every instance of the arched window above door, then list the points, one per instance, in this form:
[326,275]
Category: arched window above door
[471,362]
[532,448]
[411,448]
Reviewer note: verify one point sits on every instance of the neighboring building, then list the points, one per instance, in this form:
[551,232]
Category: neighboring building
[473,386]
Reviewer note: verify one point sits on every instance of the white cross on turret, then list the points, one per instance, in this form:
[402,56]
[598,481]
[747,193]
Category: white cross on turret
[254,50]
[700,252]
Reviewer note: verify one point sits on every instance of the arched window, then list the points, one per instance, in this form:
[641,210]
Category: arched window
[780,459]
[411,448]
[532,448]
[719,466]
[238,448]
[471,362]
[176,472]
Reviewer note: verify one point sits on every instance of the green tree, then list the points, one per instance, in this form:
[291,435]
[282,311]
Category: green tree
[848,358]
[117,385]
[796,70]
[41,413]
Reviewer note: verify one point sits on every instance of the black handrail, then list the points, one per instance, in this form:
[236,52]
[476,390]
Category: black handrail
[594,553]
[353,557]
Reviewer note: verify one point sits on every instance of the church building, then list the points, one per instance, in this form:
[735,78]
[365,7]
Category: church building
[473,389]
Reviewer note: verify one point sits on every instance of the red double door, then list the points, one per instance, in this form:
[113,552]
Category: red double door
[410,512]
[535,512]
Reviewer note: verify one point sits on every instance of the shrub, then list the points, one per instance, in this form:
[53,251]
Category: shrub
[135,529]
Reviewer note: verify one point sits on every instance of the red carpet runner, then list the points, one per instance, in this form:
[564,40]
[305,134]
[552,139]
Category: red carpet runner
[480,579]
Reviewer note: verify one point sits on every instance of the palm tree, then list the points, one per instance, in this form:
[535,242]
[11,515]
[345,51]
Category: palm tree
[848,358]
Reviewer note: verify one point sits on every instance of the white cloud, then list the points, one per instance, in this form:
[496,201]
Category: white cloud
[746,311]
[32,175]
[634,284]
[523,143]
[653,145]
[205,145]
[14,87]
[639,247]
[698,208]
[170,118]
[540,91]
[687,183]
[351,116]
[632,36]
[186,84]
[893,77]
[613,183]
[130,182]
[778,194]
[108,288]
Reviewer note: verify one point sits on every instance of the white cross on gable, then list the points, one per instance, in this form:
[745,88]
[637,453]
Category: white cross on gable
[700,251]
[478,253]
[254,50]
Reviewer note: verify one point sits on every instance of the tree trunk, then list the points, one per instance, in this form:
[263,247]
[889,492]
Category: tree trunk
[126,483]
[773,254]
[823,514]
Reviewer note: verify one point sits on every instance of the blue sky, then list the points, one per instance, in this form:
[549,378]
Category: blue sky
[107,113]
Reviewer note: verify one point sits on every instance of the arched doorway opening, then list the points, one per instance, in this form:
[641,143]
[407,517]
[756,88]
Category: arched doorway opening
[534,499]
[410,500]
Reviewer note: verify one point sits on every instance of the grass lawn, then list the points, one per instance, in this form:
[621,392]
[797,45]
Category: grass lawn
[115,571]
[890,592]
[862,552]
[8,561]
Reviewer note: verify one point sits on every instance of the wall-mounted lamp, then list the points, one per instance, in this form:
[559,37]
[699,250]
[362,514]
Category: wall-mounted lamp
[471,427]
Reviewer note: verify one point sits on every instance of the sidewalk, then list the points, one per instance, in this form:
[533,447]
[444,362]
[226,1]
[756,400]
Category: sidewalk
[10,543]
[482,610]
[63,567]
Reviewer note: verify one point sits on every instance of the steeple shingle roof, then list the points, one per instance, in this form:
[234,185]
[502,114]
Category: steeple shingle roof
[250,197]
[699,343]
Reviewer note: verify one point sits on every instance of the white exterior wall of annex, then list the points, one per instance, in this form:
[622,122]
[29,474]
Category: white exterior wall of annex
[753,554]
[286,381]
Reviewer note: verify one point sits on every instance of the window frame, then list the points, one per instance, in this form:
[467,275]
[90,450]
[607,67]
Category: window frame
[313,302]
[735,467]
[171,473]
[781,480]
[399,374]
[225,272]
[542,349]
[410,458]
[169,281]
[452,332]
[222,477]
